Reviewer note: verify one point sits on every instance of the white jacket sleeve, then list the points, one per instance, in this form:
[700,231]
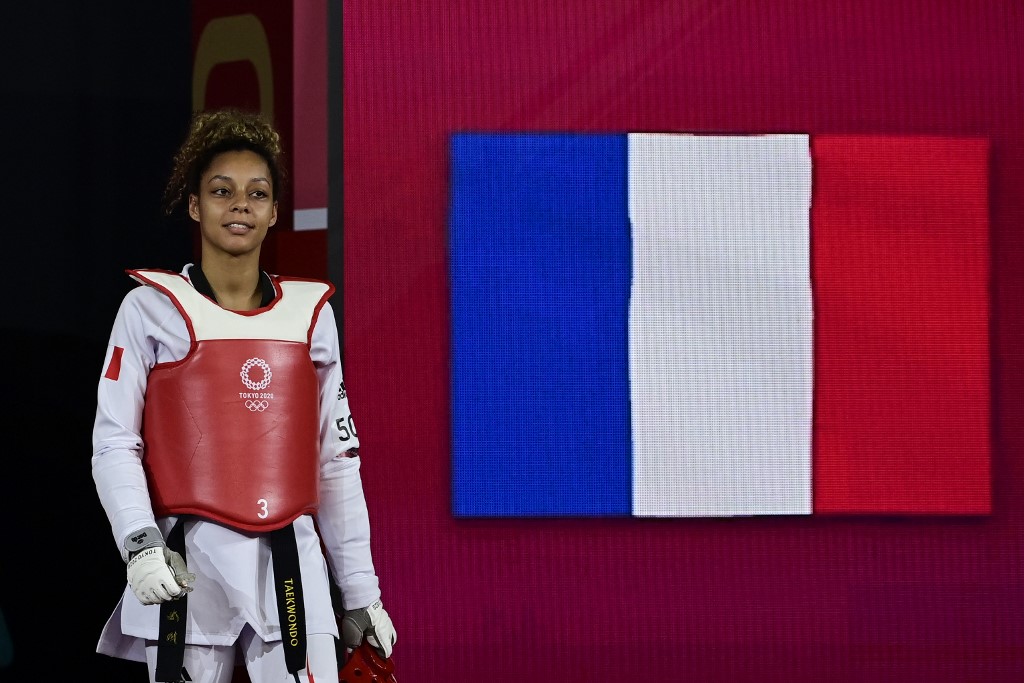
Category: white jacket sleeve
[144,317]
[342,518]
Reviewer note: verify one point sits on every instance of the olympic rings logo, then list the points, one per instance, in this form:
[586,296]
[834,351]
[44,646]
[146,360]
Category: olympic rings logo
[257,406]
[248,381]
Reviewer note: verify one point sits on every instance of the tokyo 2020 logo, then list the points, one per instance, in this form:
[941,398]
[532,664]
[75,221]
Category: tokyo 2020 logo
[256,402]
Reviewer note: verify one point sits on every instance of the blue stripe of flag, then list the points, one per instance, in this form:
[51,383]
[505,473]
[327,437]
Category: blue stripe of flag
[540,259]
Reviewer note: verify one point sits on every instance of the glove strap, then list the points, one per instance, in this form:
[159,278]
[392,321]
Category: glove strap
[170,653]
[290,606]
[148,537]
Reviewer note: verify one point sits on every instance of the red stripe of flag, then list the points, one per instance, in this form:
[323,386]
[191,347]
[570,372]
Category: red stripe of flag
[900,263]
[114,366]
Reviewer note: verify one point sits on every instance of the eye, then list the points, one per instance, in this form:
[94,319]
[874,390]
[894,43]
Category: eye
[220,192]
[260,194]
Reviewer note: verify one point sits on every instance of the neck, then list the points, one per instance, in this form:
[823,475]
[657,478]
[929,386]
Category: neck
[235,282]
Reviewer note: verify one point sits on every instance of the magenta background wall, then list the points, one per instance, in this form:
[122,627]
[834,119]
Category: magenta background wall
[771,599]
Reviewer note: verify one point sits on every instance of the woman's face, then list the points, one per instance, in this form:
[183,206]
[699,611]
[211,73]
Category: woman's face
[235,203]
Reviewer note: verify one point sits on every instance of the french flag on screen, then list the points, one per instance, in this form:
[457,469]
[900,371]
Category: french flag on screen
[682,325]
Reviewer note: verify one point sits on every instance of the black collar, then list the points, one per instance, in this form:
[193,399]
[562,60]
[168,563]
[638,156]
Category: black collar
[202,285]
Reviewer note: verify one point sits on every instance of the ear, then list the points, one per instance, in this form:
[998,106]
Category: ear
[193,207]
[273,216]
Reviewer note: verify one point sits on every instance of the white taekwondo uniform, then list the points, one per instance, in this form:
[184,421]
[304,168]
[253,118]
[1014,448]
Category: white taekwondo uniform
[233,566]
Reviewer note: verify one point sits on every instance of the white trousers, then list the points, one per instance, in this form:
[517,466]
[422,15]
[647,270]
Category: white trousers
[263,661]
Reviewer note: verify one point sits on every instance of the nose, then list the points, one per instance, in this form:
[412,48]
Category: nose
[241,203]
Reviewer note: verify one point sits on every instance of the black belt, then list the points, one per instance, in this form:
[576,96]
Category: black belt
[170,653]
[290,608]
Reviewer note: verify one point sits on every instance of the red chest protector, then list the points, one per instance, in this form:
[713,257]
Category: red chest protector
[232,431]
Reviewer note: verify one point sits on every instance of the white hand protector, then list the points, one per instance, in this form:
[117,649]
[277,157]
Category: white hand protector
[158,574]
[374,624]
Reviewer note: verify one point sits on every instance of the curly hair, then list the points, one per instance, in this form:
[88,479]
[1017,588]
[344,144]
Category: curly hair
[213,132]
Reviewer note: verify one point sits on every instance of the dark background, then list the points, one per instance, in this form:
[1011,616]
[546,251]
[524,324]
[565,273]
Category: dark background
[95,99]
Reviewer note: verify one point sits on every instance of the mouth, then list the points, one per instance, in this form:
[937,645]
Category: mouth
[239,228]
